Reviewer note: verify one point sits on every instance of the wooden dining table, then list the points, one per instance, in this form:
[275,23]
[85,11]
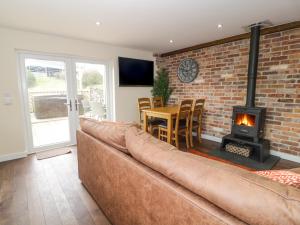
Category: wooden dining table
[168,113]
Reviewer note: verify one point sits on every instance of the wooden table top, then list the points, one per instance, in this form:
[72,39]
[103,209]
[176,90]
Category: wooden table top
[163,110]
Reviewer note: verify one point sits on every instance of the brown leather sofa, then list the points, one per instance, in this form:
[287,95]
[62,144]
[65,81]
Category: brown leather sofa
[139,180]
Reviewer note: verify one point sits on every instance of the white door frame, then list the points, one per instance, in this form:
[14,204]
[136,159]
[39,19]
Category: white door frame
[71,94]
[28,126]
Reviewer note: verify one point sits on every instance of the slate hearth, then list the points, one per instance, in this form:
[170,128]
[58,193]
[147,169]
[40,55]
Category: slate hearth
[268,164]
[260,149]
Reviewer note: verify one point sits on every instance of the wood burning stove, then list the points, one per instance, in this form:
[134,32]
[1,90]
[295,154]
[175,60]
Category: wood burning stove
[248,121]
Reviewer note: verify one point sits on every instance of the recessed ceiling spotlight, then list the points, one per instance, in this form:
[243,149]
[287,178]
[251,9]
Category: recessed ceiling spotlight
[98,23]
[220,26]
[171,41]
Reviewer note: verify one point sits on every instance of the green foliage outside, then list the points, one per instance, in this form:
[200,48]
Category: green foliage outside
[31,80]
[91,78]
[161,85]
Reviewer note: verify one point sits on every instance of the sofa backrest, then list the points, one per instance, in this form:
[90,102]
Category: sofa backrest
[130,193]
[112,133]
[249,197]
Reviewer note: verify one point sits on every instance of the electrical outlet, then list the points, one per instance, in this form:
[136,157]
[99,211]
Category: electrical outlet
[7,99]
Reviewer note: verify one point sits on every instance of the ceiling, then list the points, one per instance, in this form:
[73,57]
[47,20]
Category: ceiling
[145,24]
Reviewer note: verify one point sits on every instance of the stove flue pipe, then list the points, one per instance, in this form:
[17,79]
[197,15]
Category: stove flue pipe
[252,66]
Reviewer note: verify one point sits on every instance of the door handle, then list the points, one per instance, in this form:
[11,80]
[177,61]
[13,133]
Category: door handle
[69,104]
[76,104]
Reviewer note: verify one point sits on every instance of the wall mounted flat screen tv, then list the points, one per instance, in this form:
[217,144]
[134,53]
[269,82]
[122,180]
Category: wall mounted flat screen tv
[135,72]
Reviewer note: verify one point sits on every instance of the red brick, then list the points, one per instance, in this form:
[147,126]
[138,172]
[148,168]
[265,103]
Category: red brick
[278,87]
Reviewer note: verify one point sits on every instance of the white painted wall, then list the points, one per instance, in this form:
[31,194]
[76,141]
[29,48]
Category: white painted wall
[12,126]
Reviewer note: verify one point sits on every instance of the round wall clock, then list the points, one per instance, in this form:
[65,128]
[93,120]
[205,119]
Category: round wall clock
[188,70]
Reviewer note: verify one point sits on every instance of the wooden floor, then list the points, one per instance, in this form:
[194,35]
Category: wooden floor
[38,192]
[48,192]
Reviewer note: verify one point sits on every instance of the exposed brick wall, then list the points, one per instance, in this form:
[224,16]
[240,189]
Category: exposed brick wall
[222,81]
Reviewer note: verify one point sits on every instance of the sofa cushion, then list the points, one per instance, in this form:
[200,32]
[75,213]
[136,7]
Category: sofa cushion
[112,133]
[249,197]
[282,176]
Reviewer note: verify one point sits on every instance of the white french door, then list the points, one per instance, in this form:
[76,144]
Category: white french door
[56,92]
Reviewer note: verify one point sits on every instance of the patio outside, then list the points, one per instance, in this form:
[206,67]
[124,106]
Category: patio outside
[47,93]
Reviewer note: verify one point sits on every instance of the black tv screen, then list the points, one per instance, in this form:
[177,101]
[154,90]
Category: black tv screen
[135,72]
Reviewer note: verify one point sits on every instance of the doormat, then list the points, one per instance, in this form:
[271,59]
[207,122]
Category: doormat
[52,153]
[237,160]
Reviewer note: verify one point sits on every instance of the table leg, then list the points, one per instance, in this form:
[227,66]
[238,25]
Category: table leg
[145,122]
[170,131]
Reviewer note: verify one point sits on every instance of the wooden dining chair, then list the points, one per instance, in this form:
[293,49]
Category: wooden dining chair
[157,102]
[196,119]
[145,103]
[181,125]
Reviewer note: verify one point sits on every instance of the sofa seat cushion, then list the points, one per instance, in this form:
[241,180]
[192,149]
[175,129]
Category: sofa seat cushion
[112,133]
[282,176]
[249,197]
[182,124]
[156,122]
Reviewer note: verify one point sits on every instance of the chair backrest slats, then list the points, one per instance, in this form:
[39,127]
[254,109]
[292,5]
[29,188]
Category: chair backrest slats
[157,102]
[184,112]
[143,103]
[198,107]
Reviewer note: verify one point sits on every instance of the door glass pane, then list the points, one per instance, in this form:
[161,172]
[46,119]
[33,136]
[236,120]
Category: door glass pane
[91,90]
[47,98]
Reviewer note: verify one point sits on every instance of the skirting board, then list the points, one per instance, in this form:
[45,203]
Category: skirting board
[13,156]
[282,155]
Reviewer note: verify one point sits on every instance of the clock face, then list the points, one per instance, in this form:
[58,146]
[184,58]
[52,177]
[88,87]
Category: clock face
[188,70]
